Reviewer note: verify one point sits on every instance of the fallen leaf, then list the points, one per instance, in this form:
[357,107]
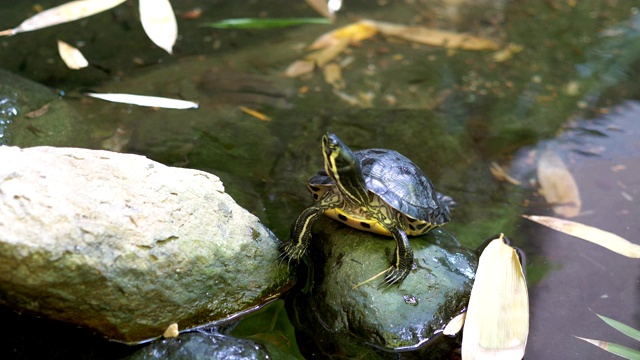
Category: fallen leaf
[353,33]
[333,76]
[143,100]
[327,54]
[64,13]
[159,22]
[299,67]
[454,325]
[501,174]
[497,319]
[558,186]
[434,37]
[71,56]
[507,53]
[592,234]
[38,112]
[171,332]
[254,113]
[322,8]
[250,23]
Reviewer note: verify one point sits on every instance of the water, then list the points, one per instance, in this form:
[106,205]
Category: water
[574,85]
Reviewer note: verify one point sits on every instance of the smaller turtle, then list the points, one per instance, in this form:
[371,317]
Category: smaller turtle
[376,190]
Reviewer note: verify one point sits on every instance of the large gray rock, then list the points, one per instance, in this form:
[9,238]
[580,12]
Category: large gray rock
[376,319]
[126,246]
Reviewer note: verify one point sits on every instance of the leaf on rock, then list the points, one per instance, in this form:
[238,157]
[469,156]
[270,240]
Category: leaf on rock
[143,100]
[64,13]
[71,56]
[159,22]
[558,186]
[592,234]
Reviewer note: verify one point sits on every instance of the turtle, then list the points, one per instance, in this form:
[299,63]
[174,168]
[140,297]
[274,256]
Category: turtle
[375,190]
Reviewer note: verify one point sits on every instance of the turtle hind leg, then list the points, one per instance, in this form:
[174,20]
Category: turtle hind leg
[296,246]
[403,260]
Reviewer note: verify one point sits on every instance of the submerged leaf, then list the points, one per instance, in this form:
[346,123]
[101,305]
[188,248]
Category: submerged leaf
[497,320]
[142,100]
[558,186]
[256,114]
[592,234]
[434,37]
[68,12]
[251,23]
[352,33]
[71,56]
[159,22]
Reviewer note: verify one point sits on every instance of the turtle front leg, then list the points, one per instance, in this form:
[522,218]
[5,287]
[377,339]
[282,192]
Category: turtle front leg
[403,260]
[300,234]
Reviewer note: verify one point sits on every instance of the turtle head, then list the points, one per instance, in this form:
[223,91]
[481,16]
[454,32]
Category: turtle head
[343,166]
[338,158]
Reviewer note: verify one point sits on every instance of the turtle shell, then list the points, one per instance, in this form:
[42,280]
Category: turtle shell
[397,181]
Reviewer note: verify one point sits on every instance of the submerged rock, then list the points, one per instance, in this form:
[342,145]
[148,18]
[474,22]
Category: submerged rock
[375,317]
[126,246]
[205,346]
[32,114]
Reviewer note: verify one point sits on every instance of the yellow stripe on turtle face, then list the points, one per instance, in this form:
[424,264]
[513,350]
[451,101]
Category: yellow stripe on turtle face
[357,223]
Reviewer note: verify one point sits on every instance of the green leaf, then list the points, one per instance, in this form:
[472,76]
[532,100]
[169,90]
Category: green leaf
[623,328]
[615,349]
[252,23]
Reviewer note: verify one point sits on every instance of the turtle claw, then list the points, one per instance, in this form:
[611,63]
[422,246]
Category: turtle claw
[291,251]
[395,276]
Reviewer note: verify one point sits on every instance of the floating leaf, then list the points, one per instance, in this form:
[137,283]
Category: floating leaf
[497,320]
[322,8]
[70,11]
[71,56]
[558,186]
[592,234]
[623,328]
[159,22]
[616,349]
[250,23]
[143,100]
[434,37]
[454,326]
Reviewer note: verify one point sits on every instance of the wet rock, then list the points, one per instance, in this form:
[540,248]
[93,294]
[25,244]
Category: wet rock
[210,345]
[126,246]
[375,318]
[32,114]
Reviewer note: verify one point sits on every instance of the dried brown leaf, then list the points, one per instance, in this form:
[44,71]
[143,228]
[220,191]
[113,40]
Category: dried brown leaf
[558,186]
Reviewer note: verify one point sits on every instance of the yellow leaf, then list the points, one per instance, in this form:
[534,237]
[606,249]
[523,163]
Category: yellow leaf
[142,100]
[258,115]
[171,331]
[299,67]
[333,75]
[353,33]
[159,22]
[71,56]
[592,234]
[322,57]
[70,11]
[434,37]
[497,320]
[558,186]
[507,53]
